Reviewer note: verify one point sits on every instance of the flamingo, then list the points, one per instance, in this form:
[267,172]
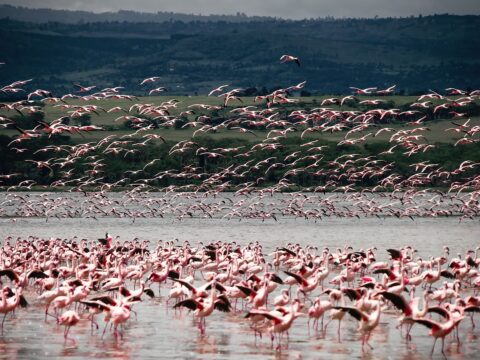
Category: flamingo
[367,322]
[318,310]
[439,330]
[204,307]
[281,324]
[68,318]
[7,304]
[150,80]
[289,58]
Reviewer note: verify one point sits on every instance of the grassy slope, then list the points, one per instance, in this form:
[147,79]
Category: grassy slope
[437,128]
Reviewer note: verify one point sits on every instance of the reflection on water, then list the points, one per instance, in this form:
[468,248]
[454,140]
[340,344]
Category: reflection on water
[162,332]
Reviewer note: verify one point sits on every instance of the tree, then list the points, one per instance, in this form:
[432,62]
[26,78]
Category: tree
[83,120]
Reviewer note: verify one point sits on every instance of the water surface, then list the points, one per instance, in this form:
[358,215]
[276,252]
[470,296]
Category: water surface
[161,332]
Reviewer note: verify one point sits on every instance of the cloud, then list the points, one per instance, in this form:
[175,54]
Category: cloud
[295,9]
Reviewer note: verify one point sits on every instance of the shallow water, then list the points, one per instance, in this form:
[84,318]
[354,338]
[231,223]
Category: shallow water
[161,332]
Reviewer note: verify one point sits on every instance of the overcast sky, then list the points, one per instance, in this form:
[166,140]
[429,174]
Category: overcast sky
[296,9]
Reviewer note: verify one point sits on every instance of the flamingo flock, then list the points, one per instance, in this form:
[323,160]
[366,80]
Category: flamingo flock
[426,189]
[82,280]
[358,185]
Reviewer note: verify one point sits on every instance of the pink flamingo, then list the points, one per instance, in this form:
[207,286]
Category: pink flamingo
[68,318]
[439,330]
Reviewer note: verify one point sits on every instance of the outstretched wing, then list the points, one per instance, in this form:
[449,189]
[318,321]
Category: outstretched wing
[12,275]
[222,304]
[247,291]
[447,274]
[357,314]
[276,278]
[428,323]
[395,254]
[290,252]
[265,314]
[186,284]
[398,301]
[149,292]
[352,294]
[440,311]
[189,304]
[298,278]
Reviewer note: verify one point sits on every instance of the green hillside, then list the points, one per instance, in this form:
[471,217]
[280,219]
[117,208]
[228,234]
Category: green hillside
[192,57]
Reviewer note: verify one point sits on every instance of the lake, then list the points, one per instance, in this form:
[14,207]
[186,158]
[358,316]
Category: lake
[159,331]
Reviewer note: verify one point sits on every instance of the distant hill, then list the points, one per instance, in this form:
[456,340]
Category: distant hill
[416,53]
[73,17]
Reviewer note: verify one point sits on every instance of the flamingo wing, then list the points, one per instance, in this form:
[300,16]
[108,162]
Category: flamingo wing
[218,286]
[447,274]
[357,314]
[428,323]
[352,294]
[12,275]
[105,300]
[290,252]
[267,315]
[174,275]
[94,304]
[276,278]
[37,274]
[149,292]
[385,271]
[186,284]
[440,311]
[222,304]
[398,301]
[189,304]
[471,308]
[245,290]
[395,254]
[23,302]
[298,278]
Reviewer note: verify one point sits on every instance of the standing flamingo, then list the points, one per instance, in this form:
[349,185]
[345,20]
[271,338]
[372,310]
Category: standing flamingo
[440,330]
[68,318]
[367,322]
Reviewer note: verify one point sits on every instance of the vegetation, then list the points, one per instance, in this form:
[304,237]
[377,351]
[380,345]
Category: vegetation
[192,57]
[447,154]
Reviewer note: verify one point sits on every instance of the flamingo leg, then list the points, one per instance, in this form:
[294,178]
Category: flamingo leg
[338,330]
[408,336]
[3,321]
[65,334]
[368,339]
[433,347]
[93,322]
[105,328]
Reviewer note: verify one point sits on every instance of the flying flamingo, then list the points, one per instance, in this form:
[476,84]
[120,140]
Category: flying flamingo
[150,80]
[289,58]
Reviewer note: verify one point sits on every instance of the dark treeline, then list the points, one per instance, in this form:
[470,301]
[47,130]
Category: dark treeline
[191,57]
[75,16]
